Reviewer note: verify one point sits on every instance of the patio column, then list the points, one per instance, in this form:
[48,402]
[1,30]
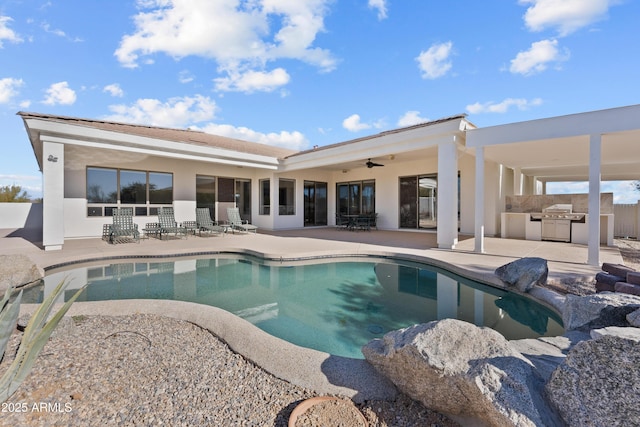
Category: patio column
[595,160]
[447,195]
[517,182]
[52,195]
[479,202]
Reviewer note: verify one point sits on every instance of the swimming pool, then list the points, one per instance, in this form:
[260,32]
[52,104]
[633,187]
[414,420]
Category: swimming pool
[334,305]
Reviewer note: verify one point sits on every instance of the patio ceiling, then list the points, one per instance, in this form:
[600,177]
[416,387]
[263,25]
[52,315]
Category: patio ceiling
[557,149]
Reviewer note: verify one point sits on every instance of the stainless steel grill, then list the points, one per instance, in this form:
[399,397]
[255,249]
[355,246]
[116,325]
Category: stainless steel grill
[556,222]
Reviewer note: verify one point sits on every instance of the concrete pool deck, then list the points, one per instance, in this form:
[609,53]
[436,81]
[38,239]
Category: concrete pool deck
[319,371]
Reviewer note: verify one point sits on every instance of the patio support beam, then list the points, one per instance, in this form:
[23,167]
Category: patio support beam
[517,182]
[479,202]
[447,195]
[52,195]
[595,160]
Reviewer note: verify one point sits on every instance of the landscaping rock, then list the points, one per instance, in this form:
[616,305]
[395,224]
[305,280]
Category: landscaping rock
[464,371]
[598,311]
[617,269]
[524,273]
[17,270]
[609,279]
[629,333]
[634,318]
[597,385]
[627,288]
[634,278]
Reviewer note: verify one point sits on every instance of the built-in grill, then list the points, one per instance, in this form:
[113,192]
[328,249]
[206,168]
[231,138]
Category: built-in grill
[556,222]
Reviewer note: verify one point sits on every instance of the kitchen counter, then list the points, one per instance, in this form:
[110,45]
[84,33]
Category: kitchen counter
[521,226]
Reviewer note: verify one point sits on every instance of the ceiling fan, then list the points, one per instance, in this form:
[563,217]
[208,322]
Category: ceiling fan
[370,164]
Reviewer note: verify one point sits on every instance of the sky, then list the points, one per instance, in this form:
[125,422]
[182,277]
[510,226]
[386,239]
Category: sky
[299,73]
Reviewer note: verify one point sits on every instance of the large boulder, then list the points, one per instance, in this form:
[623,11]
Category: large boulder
[524,273]
[597,385]
[17,270]
[470,373]
[598,310]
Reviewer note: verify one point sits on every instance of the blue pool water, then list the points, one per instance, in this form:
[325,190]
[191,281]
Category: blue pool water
[335,306]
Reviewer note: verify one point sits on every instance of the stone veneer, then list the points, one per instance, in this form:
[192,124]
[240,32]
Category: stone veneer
[536,203]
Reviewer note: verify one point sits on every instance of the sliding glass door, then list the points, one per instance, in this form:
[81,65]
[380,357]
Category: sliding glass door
[419,201]
[315,203]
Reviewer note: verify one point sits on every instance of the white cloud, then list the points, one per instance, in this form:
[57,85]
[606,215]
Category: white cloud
[411,118]
[293,140]
[179,112]
[7,33]
[623,191]
[434,62]
[504,106]
[114,90]
[251,81]
[537,58]
[185,77]
[353,123]
[380,6]
[9,89]
[241,36]
[60,94]
[566,16]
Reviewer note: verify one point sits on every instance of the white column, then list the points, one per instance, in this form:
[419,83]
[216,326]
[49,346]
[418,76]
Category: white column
[479,202]
[517,182]
[595,146]
[52,195]
[447,195]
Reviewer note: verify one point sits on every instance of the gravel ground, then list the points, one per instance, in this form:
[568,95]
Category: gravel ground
[149,370]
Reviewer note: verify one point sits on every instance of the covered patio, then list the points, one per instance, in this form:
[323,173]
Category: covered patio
[595,146]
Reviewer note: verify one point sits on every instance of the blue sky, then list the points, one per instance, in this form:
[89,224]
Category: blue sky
[298,73]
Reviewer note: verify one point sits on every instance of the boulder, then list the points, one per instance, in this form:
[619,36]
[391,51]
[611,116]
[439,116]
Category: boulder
[598,310]
[608,278]
[633,277]
[524,273]
[627,333]
[634,318]
[17,270]
[597,384]
[464,371]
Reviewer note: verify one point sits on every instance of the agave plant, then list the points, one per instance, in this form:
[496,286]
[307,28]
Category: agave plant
[35,336]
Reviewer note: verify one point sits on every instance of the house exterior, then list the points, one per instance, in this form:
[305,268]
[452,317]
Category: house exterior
[445,176]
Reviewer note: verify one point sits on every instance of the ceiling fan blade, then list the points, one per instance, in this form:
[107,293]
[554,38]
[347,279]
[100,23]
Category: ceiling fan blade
[371,164]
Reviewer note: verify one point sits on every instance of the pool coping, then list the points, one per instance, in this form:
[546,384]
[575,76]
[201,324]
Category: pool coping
[319,371]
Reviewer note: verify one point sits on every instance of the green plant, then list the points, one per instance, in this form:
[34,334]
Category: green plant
[34,338]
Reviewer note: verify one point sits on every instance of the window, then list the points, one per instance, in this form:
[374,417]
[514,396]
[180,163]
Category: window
[160,188]
[357,197]
[265,197]
[286,192]
[206,193]
[102,185]
[137,189]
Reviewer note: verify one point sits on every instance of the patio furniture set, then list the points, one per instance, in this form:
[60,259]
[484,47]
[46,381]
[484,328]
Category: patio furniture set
[364,222]
[123,229]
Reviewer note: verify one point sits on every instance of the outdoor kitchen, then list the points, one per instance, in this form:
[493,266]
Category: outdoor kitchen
[557,218]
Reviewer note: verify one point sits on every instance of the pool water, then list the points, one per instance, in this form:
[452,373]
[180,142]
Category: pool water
[335,307]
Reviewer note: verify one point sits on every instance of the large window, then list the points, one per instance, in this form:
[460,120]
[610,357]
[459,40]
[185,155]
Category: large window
[109,188]
[265,197]
[286,192]
[206,193]
[357,197]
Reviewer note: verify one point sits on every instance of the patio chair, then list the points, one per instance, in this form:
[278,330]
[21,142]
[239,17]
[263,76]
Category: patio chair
[168,223]
[237,223]
[206,224]
[123,228]
[342,222]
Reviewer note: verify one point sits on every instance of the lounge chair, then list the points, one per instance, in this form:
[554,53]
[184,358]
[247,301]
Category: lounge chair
[123,228]
[237,223]
[168,223]
[206,224]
